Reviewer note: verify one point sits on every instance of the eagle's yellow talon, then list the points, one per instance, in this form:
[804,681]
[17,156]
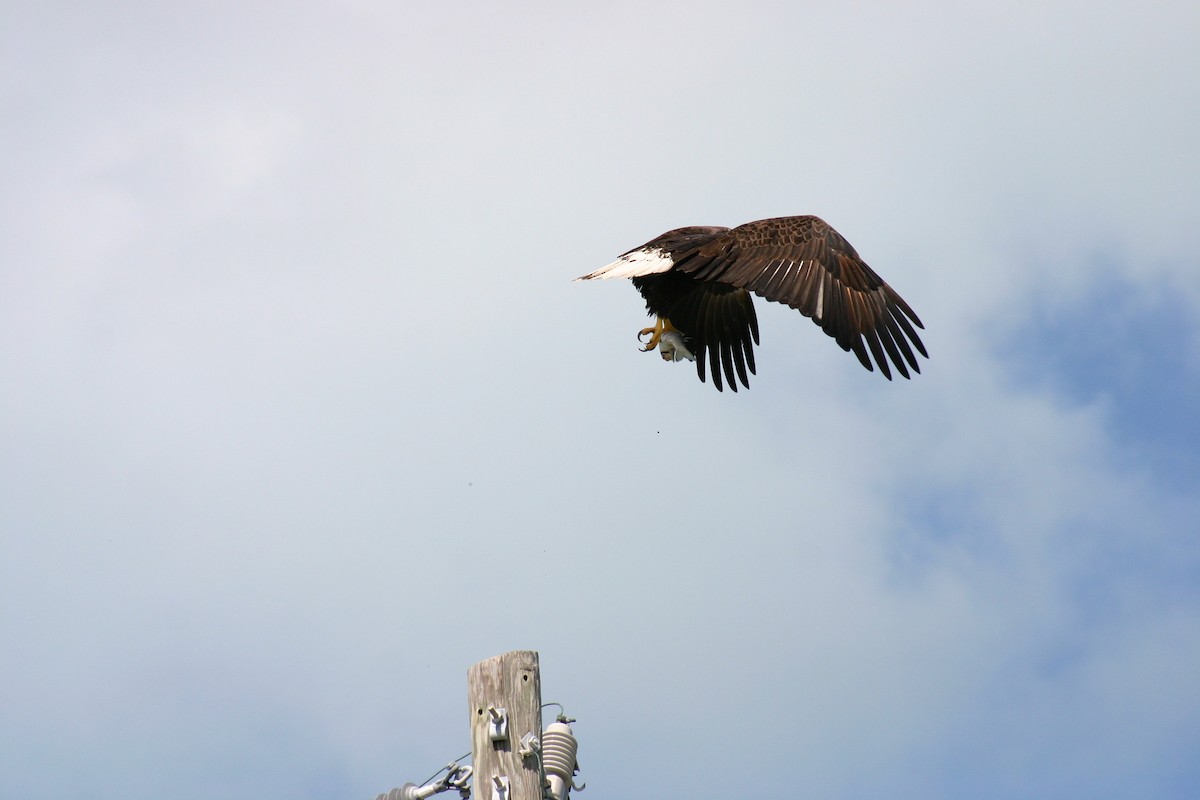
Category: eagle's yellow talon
[655,334]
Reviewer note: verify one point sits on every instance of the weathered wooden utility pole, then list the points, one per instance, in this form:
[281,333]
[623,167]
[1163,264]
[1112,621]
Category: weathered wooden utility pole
[505,695]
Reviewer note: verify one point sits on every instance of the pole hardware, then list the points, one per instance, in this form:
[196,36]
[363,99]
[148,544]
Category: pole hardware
[497,724]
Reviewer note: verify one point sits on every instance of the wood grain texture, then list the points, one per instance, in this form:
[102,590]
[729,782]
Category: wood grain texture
[510,681]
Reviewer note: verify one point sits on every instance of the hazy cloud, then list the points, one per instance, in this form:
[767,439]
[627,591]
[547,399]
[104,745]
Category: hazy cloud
[301,414]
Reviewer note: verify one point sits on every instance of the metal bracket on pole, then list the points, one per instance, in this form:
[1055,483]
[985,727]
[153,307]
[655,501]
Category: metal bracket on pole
[500,787]
[497,724]
[530,745]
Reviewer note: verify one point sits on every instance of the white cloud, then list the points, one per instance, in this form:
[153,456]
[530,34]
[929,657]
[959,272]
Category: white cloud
[302,414]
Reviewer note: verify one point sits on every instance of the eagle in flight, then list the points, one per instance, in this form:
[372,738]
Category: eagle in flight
[697,283]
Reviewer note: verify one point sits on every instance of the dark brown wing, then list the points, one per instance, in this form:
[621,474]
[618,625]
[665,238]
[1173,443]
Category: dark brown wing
[806,264]
[717,321]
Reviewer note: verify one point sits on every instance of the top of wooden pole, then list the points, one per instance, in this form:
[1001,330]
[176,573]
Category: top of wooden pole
[511,684]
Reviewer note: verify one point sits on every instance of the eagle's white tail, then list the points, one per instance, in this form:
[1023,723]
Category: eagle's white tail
[633,265]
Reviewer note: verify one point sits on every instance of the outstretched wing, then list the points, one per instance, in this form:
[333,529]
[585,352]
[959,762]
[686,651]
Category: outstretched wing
[806,264]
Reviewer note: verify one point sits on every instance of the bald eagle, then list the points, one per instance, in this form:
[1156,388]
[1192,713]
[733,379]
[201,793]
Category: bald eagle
[697,282]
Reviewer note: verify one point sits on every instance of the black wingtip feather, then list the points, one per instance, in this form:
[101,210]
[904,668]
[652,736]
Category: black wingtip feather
[877,351]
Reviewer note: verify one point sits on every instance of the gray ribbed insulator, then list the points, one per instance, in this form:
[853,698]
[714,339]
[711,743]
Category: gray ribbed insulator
[409,791]
[558,758]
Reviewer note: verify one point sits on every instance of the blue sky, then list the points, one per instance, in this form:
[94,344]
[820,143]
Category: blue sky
[301,414]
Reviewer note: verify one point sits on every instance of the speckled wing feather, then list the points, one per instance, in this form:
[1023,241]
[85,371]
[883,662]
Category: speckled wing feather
[804,263]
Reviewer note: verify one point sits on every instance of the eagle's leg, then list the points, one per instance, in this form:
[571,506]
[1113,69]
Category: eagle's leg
[668,339]
[661,326]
